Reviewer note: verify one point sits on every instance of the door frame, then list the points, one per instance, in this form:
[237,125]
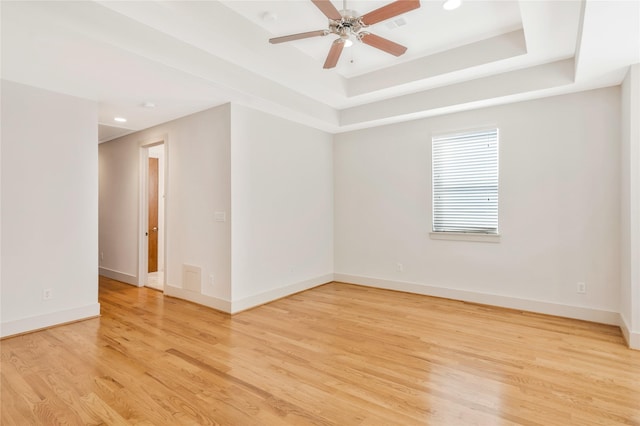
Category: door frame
[143,209]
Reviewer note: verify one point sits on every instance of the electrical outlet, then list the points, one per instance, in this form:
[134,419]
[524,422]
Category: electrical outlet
[399,267]
[581,288]
[101,255]
[47,294]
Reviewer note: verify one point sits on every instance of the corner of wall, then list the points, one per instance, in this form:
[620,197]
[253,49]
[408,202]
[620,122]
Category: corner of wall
[118,276]
[630,203]
[199,298]
[278,293]
[631,337]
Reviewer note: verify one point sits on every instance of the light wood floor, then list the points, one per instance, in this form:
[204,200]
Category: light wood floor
[335,355]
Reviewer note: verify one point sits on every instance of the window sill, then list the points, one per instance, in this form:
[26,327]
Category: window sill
[462,236]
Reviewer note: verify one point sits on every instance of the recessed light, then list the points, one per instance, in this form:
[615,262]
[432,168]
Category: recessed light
[120,119]
[451,4]
[149,105]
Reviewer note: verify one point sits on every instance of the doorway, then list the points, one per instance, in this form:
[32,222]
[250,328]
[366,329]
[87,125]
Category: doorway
[153,200]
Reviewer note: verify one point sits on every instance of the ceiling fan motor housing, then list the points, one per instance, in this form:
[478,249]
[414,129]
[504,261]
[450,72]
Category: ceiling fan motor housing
[349,24]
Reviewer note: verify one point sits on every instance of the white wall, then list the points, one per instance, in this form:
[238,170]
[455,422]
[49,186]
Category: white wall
[49,208]
[559,208]
[271,177]
[282,202]
[630,208]
[198,184]
[277,182]
[118,209]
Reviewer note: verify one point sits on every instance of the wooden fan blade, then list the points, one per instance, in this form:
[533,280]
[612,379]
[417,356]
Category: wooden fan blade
[328,9]
[334,54]
[383,44]
[389,11]
[298,36]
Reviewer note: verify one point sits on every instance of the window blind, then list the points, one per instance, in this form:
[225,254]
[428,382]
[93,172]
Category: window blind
[465,182]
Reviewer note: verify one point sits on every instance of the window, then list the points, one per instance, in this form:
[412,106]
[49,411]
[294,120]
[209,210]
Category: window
[465,182]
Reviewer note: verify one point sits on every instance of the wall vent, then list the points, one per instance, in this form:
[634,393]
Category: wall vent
[396,23]
[192,278]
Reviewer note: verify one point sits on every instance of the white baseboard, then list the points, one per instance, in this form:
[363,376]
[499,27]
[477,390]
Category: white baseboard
[278,293]
[119,276]
[38,322]
[248,302]
[550,308]
[201,299]
[632,338]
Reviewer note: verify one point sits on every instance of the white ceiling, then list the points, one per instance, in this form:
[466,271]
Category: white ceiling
[426,30]
[188,56]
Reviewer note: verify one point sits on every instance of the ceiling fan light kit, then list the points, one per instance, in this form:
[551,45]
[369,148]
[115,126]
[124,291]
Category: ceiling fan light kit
[347,41]
[348,24]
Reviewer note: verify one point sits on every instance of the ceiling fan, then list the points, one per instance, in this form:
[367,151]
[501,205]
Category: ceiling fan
[345,23]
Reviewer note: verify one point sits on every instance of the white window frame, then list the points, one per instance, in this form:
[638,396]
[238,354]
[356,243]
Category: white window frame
[469,234]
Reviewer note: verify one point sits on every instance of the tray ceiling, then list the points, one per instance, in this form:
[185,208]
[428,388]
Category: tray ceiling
[188,56]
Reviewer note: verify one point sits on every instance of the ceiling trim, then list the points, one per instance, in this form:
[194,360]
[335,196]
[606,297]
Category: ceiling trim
[50,45]
[461,58]
[526,80]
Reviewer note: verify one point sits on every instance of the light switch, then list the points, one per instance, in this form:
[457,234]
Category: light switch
[220,216]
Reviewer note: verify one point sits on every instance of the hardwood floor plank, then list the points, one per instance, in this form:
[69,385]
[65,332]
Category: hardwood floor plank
[18,400]
[338,354]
